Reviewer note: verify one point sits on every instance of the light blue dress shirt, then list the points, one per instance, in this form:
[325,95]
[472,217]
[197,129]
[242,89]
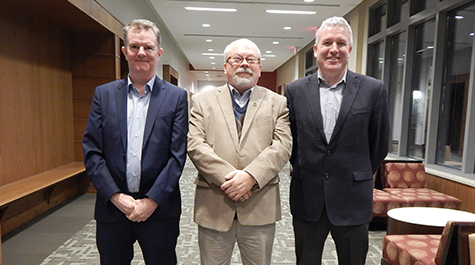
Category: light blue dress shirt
[137,109]
[330,103]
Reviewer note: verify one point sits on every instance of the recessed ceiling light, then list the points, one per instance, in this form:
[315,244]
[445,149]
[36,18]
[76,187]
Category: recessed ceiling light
[268,51]
[275,42]
[309,1]
[211,54]
[472,34]
[287,28]
[458,17]
[206,25]
[210,9]
[210,49]
[213,63]
[212,57]
[293,12]
[209,40]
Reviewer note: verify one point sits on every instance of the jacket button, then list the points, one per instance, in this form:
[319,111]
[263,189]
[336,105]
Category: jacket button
[327,176]
[328,152]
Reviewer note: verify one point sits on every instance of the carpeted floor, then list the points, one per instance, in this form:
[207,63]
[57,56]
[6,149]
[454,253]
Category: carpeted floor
[81,249]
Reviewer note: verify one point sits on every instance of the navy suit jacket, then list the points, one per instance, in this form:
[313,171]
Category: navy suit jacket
[337,175]
[163,152]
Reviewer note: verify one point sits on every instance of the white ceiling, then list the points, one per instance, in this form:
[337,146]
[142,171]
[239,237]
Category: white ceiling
[250,21]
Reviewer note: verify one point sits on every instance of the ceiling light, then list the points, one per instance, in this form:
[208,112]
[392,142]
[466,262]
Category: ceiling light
[213,63]
[209,40]
[211,57]
[268,51]
[211,54]
[472,34]
[294,12]
[210,49]
[191,8]
[206,25]
[458,17]
[309,1]
[275,42]
[287,28]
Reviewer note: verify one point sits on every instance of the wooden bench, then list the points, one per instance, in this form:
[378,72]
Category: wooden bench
[27,198]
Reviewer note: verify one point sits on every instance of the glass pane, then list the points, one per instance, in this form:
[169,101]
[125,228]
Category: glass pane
[375,60]
[377,20]
[458,54]
[421,88]
[399,11]
[421,5]
[397,63]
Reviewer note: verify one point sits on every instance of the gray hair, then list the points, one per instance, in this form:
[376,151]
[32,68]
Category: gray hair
[244,42]
[142,24]
[335,21]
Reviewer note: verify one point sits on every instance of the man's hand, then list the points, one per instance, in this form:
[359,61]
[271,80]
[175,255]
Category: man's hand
[144,208]
[238,185]
[124,202]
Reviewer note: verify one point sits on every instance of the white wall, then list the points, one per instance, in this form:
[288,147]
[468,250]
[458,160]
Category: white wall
[126,10]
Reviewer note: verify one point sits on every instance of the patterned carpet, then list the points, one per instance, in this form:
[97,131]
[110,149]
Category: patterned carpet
[81,248]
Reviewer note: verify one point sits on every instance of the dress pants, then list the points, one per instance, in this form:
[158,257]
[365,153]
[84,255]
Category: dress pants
[351,241]
[157,239]
[255,244]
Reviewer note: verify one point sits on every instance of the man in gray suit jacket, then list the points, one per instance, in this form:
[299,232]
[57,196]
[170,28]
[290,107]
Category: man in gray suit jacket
[340,128]
[239,139]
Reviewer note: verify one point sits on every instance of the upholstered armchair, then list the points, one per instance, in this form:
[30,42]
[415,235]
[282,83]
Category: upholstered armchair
[450,248]
[408,181]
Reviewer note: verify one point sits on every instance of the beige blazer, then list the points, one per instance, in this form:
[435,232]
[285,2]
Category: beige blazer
[216,150]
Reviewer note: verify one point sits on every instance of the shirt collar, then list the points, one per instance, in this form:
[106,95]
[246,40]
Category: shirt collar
[322,80]
[148,87]
[236,93]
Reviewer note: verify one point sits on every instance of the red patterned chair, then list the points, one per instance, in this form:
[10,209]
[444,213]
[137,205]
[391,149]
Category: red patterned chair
[385,201]
[408,181]
[450,248]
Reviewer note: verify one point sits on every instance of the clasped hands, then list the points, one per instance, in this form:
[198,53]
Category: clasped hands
[238,185]
[135,210]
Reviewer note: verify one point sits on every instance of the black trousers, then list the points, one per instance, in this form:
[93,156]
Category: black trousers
[351,241]
[157,239]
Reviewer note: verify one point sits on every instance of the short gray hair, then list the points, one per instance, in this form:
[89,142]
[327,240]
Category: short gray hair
[243,42]
[335,21]
[142,24]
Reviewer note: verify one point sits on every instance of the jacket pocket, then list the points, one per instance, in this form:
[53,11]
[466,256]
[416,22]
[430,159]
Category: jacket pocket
[362,175]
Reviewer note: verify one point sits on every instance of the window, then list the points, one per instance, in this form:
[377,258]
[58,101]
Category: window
[378,20]
[375,60]
[397,63]
[421,88]
[399,10]
[455,88]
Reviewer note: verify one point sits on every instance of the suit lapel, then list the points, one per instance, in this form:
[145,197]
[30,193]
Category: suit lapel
[257,97]
[121,105]
[349,94]
[313,96]
[159,94]
[223,97]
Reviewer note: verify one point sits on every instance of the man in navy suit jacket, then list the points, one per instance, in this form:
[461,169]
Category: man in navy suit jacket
[134,152]
[340,130]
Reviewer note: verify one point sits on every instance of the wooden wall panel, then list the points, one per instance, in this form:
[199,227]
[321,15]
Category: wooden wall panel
[93,64]
[35,96]
[461,191]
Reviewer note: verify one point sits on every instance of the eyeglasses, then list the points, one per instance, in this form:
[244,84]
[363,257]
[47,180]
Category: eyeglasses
[237,60]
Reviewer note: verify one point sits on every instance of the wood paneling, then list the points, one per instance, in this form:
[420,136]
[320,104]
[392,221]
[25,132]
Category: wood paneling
[52,55]
[35,96]
[461,191]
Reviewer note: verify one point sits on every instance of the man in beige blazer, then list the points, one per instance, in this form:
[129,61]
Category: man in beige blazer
[239,139]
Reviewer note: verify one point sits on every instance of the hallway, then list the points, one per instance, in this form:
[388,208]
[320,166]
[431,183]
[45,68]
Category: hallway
[65,235]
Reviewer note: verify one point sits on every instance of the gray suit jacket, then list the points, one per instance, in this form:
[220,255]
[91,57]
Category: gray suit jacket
[337,175]
[216,150]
